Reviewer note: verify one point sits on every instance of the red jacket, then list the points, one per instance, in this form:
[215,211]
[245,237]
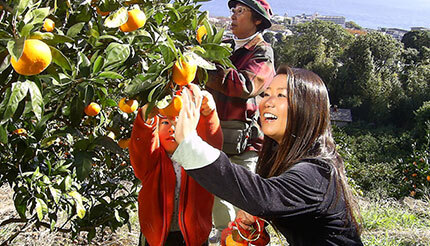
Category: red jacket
[154,168]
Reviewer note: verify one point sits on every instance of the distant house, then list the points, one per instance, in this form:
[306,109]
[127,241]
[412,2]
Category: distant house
[340,116]
[396,33]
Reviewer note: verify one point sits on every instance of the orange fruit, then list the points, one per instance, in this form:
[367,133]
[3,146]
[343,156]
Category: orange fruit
[413,193]
[92,109]
[428,178]
[128,106]
[172,110]
[201,31]
[36,56]
[136,19]
[414,175]
[230,242]
[123,143]
[102,13]
[48,25]
[20,131]
[186,74]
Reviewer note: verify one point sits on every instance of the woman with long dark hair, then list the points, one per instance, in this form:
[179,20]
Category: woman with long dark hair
[300,184]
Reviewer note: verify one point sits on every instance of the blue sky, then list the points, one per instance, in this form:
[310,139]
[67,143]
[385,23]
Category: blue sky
[368,13]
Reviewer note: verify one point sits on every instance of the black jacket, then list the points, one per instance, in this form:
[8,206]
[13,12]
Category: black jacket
[302,203]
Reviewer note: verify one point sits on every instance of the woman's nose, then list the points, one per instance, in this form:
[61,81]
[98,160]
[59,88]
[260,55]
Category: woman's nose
[270,102]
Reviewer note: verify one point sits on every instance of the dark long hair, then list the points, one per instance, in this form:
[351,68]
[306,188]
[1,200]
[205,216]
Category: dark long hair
[307,133]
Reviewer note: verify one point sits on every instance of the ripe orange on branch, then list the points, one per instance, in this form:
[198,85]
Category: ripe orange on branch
[173,108]
[185,74]
[20,131]
[48,25]
[136,19]
[128,106]
[35,57]
[201,31]
[123,143]
[92,109]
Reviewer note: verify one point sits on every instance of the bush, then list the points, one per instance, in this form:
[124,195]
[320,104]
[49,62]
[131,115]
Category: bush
[59,161]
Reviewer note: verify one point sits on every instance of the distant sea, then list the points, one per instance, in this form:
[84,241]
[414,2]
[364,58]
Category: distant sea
[402,14]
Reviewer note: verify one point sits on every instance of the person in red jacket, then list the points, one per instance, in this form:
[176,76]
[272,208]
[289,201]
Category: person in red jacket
[173,208]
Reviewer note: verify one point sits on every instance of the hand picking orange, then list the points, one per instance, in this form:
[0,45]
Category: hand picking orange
[185,74]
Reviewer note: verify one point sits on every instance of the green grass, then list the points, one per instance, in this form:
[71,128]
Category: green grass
[391,222]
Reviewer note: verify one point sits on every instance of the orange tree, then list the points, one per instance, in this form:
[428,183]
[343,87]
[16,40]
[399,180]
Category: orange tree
[58,159]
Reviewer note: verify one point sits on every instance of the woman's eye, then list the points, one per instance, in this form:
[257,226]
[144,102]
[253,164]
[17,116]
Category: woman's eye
[282,95]
[265,94]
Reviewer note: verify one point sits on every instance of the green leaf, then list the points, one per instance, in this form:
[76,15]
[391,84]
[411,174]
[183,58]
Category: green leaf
[20,202]
[67,183]
[55,193]
[80,210]
[89,94]
[116,54]
[5,35]
[25,31]
[19,91]
[42,35]
[117,19]
[200,61]
[60,39]
[5,63]
[75,29]
[83,163]
[76,110]
[168,54]
[41,208]
[16,47]
[60,59]
[98,64]
[108,143]
[3,135]
[20,8]
[36,99]
[110,75]
[215,52]
[84,65]
[39,15]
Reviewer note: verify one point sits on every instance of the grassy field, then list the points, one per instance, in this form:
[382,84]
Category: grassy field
[386,223]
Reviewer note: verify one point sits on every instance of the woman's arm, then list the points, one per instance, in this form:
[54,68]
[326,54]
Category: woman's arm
[299,190]
[144,144]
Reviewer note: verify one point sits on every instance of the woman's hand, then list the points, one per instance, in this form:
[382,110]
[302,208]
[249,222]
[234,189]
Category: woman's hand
[151,114]
[190,113]
[244,220]
[208,103]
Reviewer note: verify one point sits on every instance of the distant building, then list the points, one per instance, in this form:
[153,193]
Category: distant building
[420,28]
[340,116]
[396,33]
[340,20]
[303,18]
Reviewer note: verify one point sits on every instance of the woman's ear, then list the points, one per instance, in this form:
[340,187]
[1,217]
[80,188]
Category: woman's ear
[257,22]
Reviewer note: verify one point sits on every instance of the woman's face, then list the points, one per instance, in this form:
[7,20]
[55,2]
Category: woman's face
[242,23]
[273,108]
[166,132]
